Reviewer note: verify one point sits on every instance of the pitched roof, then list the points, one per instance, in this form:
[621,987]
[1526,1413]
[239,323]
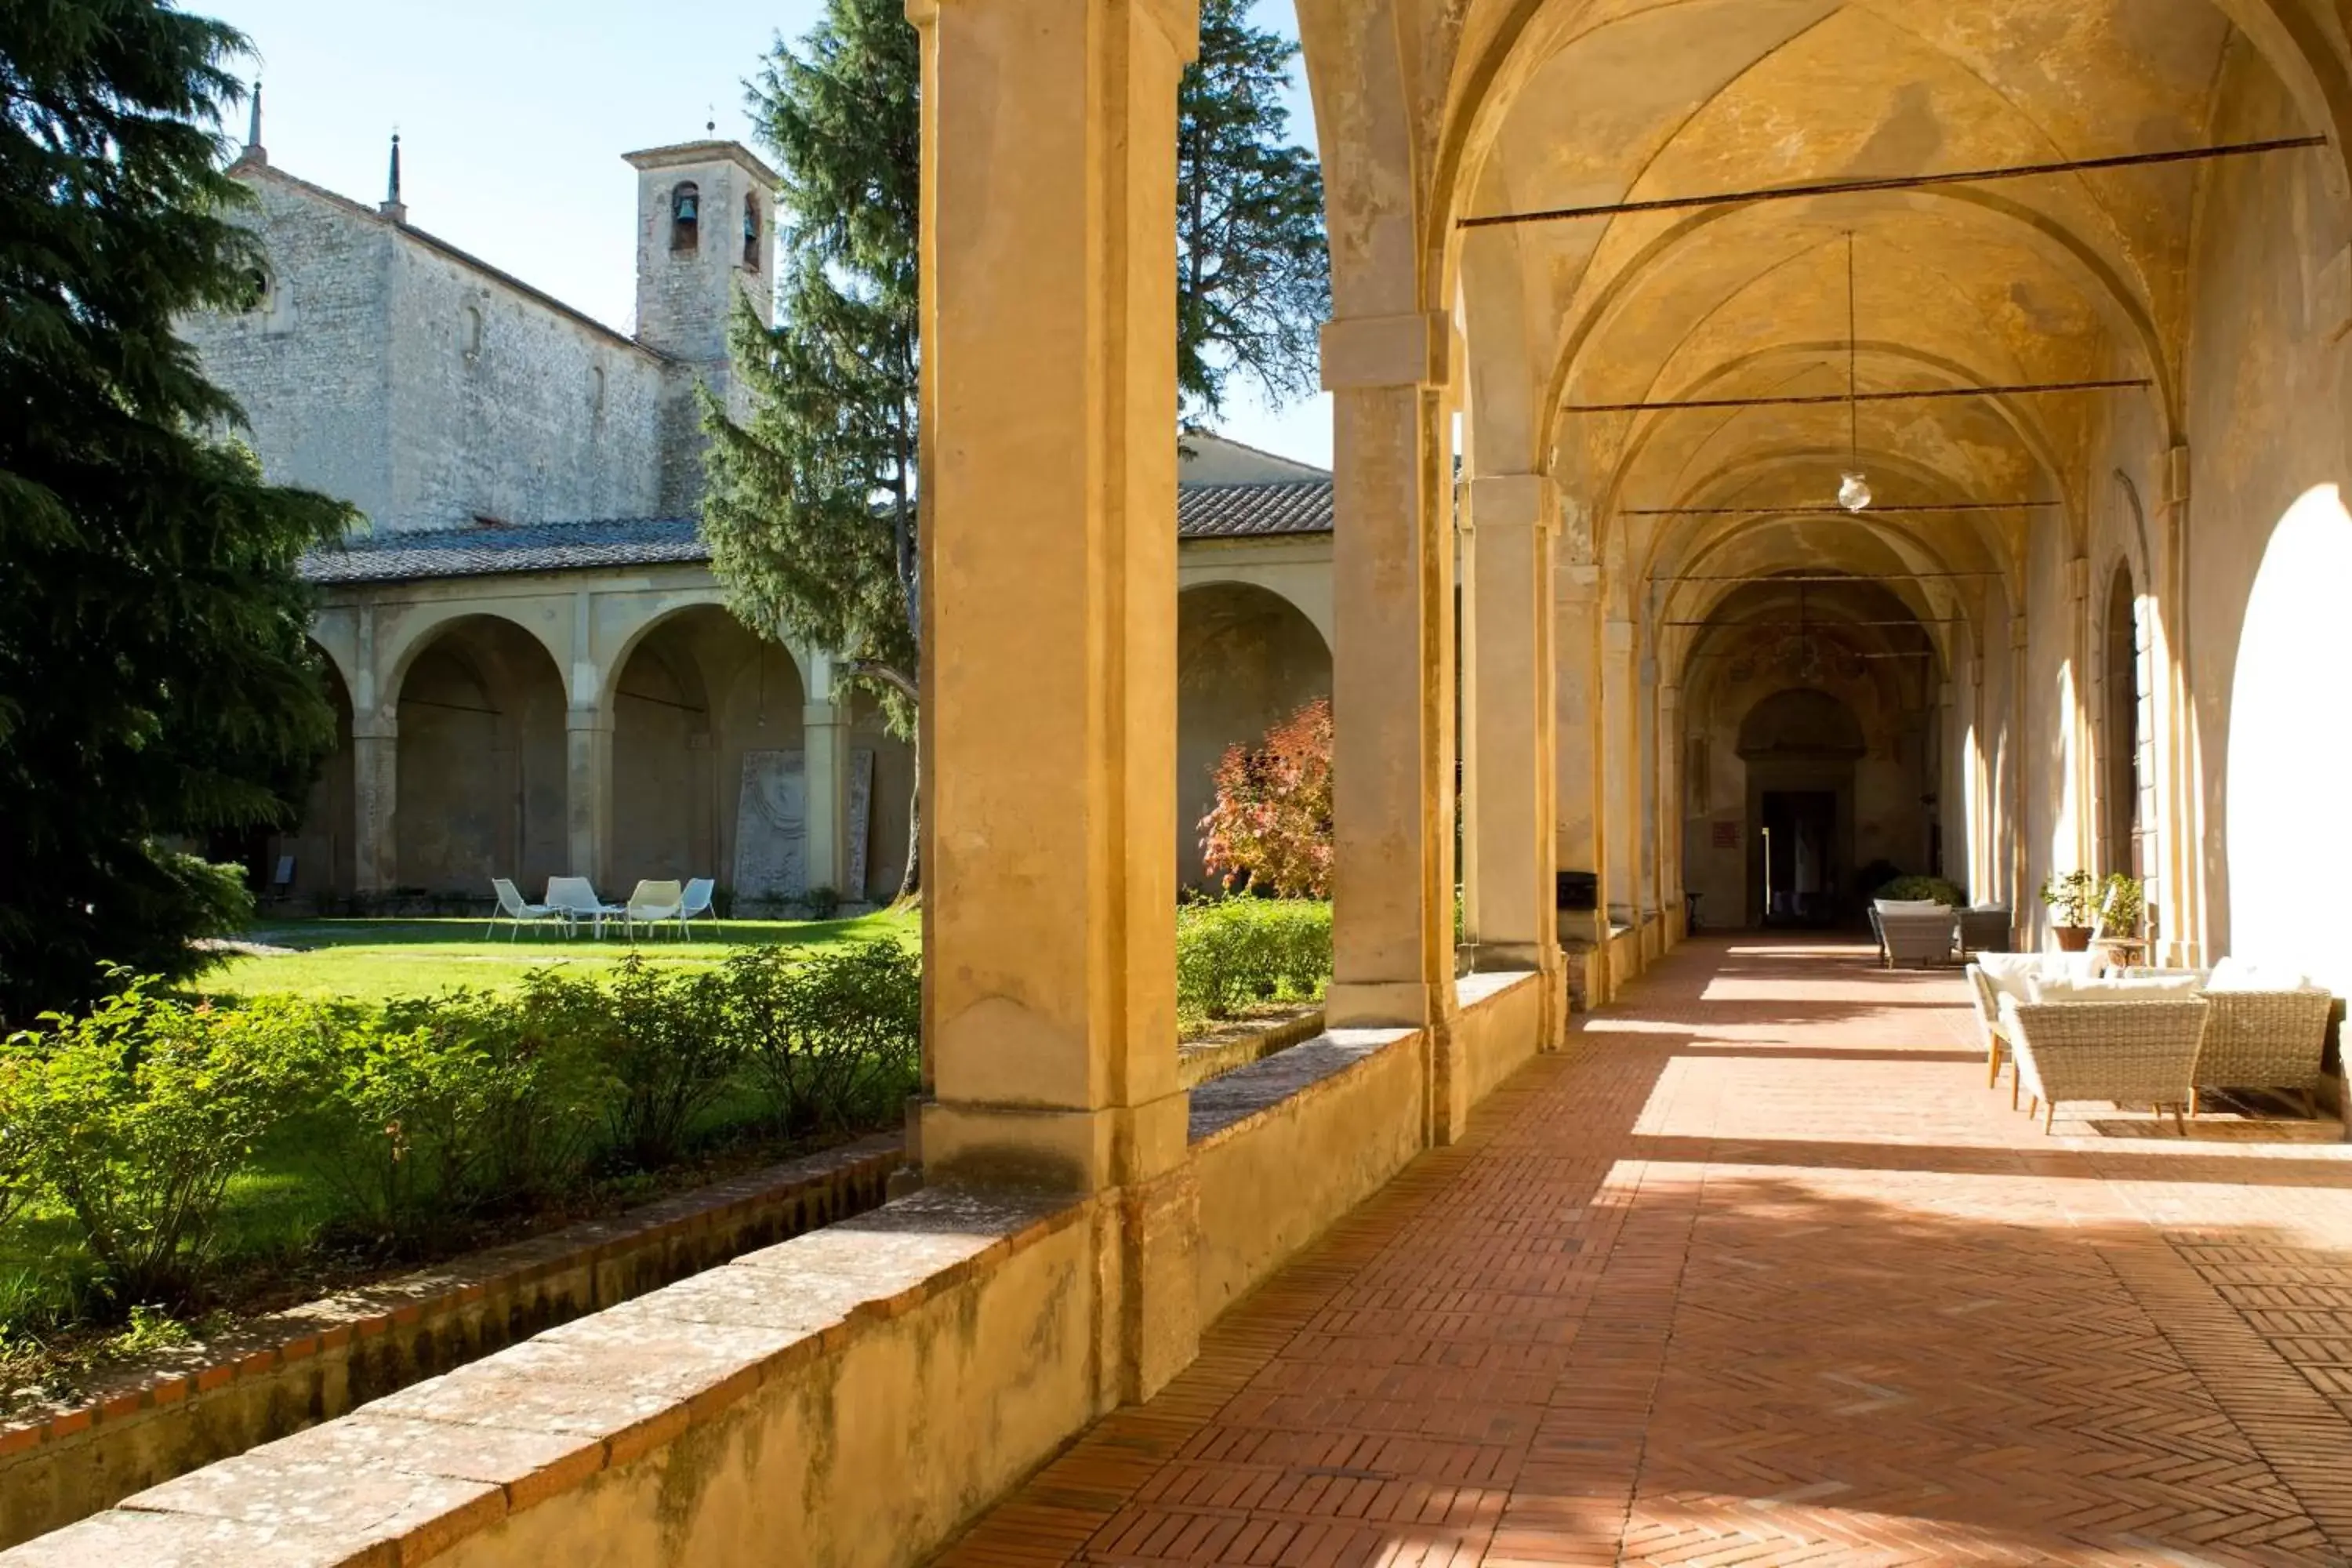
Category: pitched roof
[490,550]
[1254,511]
[1202,511]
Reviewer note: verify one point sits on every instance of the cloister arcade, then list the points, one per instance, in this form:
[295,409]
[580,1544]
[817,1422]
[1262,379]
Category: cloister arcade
[505,726]
[1622,291]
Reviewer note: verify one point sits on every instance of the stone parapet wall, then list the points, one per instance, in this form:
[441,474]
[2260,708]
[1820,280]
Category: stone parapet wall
[848,1399]
[290,1370]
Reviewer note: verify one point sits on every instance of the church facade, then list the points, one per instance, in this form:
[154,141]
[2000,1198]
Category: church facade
[533,669]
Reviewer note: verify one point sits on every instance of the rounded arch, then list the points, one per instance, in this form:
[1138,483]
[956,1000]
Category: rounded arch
[418,626]
[483,768]
[654,613]
[1246,658]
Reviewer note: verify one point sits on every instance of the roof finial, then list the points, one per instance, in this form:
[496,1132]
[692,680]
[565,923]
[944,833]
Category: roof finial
[394,207]
[253,132]
[710,126]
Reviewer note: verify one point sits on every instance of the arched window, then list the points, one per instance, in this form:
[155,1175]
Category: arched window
[685,216]
[596,389]
[751,232]
[469,333]
[256,290]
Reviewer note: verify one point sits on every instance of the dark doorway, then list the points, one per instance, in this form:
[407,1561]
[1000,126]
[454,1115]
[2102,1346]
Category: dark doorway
[1802,870]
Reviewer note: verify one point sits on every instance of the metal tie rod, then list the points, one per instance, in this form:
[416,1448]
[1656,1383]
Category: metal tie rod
[1827,511]
[1838,577]
[1900,182]
[1841,399]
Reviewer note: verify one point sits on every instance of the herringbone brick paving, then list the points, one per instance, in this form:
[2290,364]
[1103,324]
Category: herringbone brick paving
[1759,1272]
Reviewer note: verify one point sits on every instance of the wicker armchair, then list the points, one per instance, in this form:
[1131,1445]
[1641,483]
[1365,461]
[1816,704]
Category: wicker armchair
[2132,1052]
[2265,1039]
[1905,938]
[1986,930]
[1992,1029]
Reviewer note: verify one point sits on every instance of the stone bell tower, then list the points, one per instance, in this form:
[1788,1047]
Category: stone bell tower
[705,235]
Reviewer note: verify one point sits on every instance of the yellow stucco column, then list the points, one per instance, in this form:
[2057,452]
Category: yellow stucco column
[1578,845]
[1392,688]
[1510,806]
[1621,745]
[376,795]
[1049,603]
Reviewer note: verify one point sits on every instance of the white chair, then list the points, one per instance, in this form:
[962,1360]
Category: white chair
[651,903]
[513,909]
[695,904]
[574,898]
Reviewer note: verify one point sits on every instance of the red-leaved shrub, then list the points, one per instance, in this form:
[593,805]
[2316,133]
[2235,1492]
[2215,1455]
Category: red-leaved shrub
[1270,830]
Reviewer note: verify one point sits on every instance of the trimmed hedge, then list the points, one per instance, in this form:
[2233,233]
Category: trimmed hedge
[1233,951]
[132,1121]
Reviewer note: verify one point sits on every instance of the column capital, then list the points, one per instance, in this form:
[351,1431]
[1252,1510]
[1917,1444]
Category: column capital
[1617,636]
[1576,582]
[833,714]
[1366,353]
[376,726]
[585,718]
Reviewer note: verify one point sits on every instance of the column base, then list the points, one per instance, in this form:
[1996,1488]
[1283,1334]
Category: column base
[1046,1150]
[1159,1322]
[1379,1004]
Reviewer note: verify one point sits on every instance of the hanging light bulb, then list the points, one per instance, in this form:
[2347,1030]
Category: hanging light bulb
[1854,492]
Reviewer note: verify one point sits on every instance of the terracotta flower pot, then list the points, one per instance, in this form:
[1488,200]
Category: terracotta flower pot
[2074,939]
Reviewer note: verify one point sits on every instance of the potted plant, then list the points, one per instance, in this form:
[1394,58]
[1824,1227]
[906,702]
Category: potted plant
[2073,897]
[2122,902]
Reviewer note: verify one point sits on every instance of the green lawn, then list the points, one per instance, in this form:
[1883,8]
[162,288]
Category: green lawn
[378,960]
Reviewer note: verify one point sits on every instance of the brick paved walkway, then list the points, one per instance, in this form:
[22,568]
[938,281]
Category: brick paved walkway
[1759,1272]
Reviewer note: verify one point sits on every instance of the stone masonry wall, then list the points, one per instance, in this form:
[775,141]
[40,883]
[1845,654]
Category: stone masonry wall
[312,366]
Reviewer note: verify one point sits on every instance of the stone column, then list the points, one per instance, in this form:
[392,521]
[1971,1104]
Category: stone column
[588,796]
[1621,762]
[1579,844]
[2030,911]
[375,791]
[1049,704]
[1511,787]
[1667,820]
[824,731]
[1391,696]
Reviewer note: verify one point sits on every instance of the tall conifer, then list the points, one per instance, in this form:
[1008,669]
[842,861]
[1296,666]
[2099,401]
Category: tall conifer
[811,510]
[156,681]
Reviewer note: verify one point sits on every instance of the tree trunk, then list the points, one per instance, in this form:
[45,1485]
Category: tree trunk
[910,886]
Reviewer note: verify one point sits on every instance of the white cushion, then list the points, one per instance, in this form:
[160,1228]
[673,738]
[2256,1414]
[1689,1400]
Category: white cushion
[1911,907]
[2060,990]
[2237,975]
[2010,974]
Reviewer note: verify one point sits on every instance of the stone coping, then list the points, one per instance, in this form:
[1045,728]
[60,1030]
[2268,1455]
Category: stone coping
[1196,1065]
[264,1345]
[1223,1104]
[411,1475]
[1472,989]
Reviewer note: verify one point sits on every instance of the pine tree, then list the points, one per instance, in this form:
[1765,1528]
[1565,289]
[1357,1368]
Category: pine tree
[1253,273]
[811,510]
[156,681]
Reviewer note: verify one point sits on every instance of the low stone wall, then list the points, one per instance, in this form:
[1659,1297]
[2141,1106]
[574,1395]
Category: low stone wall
[1500,1029]
[1281,1150]
[293,1369]
[848,1399]
[1196,1065]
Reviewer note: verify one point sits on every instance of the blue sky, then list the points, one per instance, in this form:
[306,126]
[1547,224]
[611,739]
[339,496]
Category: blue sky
[513,115]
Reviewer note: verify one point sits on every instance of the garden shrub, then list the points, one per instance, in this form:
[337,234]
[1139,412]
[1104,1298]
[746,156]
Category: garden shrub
[405,1101]
[137,1115]
[1270,829]
[834,1037]
[1233,951]
[664,1036]
[1921,889]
